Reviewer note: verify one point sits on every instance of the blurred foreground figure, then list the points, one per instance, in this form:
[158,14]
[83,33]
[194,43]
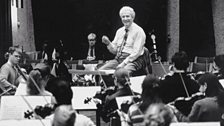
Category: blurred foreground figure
[158,115]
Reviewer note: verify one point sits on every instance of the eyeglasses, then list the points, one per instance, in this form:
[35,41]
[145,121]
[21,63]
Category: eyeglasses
[91,39]
[17,56]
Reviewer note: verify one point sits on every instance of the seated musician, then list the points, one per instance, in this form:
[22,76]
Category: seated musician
[107,105]
[9,76]
[210,108]
[91,51]
[128,44]
[149,95]
[36,81]
[64,114]
[179,84]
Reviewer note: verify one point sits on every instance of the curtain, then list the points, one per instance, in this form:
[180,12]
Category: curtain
[5,28]
[196,28]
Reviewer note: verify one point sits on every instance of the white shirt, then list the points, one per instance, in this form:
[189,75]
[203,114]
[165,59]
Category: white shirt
[134,43]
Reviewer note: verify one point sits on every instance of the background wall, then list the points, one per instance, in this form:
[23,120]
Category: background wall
[218,17]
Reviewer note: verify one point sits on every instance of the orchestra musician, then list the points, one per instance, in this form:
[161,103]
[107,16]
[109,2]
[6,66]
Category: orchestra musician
[108,105]
[149,95]
[179,84]
[209,108]
[9,76]
[91,51]
[36,81]
[64,114]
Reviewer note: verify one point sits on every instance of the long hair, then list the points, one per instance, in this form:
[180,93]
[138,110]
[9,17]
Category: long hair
[61,91]
[214,88]
[150,89]
[39,72]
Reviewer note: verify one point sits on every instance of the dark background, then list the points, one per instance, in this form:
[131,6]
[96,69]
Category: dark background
[72,20]
[196,28]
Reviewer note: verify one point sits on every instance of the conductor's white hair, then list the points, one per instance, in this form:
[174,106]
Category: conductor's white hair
[127,9]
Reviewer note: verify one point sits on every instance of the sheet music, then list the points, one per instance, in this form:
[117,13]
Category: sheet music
[136,83]
[45,122]
[13,107]
[196,124]
[21,89]
[82,93]
[222,82]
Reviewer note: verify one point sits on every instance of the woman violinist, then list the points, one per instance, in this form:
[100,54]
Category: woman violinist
[209,108]
[149,95]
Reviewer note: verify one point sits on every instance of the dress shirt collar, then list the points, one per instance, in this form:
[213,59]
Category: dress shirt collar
[10,64]
[129,28]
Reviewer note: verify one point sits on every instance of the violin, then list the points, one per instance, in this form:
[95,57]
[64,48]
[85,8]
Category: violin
[184,104]
[101,94]
[41,111]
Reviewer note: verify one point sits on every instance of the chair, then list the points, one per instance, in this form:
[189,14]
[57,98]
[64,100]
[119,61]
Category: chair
[146,67]
[160,69]
[32,55]
[199,59]
[200,67]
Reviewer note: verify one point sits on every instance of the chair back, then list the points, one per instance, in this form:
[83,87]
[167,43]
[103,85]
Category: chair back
[200,67]
[199,59]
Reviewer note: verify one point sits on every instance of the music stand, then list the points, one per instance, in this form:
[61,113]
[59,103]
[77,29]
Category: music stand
[45,122]
[14,107]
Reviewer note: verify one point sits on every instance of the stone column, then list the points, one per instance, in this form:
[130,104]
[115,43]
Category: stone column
[173,22]
[22,26]
[218,19]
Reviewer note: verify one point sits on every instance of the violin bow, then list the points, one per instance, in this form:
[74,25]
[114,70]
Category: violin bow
[185,88]
[31,78]
[24,99]
[30,107]
[104,84]
[6,91]
[164,70]
[128,83]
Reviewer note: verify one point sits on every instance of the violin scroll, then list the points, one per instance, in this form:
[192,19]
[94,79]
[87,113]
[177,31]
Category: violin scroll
[44,111]
[87,100]
[41,111]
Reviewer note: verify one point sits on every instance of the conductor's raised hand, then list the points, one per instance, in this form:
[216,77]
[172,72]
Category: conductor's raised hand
[105,40]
